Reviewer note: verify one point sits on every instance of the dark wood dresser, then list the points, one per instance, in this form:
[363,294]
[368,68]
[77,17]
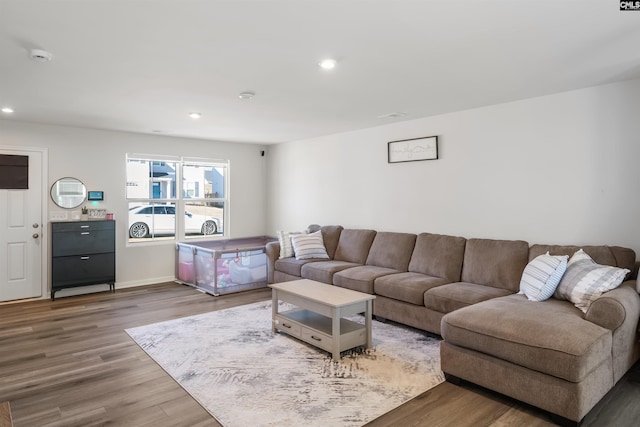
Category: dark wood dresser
[82,253]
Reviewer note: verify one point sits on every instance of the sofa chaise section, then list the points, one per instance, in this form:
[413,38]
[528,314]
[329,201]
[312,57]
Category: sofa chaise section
[548,354]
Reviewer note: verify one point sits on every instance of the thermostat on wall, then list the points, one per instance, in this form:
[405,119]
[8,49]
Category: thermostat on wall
[95,195]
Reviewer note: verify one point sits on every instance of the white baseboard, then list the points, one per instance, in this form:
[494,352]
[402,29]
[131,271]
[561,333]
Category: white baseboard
[101,288]
[145,282]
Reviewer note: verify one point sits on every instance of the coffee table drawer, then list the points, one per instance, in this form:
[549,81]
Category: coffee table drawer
[316,338]
[286,325]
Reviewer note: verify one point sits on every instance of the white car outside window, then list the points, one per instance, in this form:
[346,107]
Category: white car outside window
[161,219]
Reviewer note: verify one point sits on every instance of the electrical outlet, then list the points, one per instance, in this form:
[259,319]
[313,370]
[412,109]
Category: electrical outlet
[58,216]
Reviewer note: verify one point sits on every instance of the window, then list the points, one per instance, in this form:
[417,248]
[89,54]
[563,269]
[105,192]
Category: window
[158,188]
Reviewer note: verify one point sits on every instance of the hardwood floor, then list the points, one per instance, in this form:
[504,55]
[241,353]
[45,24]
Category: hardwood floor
[5,415]
[70,363]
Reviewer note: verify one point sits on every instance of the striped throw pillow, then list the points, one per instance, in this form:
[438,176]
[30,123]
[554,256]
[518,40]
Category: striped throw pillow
[584,281]
[284,238]
[542,275]
[308,246]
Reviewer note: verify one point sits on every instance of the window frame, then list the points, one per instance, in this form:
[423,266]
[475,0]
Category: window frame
[179,199]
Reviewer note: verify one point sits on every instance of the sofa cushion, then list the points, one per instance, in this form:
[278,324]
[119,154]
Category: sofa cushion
[584,280]
[391,250]
[550,337]
[496,263]
[407,287]
[450,297]
[331,235]
[309,246]
[542,275]
[292,266]
[323,271]
[438,255]
[353,246]
[360,278]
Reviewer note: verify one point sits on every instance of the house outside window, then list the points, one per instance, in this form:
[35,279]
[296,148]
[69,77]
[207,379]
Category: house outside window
[159,188]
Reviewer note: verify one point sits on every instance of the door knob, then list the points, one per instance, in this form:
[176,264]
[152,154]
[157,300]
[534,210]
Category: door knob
[36,225]
[36,235]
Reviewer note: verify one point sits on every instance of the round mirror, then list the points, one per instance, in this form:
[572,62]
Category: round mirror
[68,193]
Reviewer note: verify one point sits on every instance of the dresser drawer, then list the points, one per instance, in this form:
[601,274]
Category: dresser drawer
[82,226]
[90,269]
[82,242]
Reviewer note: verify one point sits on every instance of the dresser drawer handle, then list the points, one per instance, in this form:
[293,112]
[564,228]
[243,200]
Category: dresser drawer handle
[84,257]
[85,233]
[316,338]
[85,226]
[286,326]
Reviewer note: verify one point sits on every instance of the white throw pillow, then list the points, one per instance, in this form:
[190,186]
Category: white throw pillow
[584,281]
[284,238]
[308,246]
[542,275]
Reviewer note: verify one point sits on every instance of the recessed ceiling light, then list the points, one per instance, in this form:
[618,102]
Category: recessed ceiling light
[328,64]
[40,55]
[195,115]
[246,95]
[7,110]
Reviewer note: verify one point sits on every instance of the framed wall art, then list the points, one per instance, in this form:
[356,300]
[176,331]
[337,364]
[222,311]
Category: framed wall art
[412,150]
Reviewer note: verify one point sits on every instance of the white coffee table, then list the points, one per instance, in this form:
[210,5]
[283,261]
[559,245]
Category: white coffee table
[318,318]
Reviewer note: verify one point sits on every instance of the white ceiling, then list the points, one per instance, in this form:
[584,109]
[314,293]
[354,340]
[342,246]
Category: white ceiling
[142,66]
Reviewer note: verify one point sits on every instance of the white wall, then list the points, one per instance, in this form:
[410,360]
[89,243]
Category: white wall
[559,169]
[98,159]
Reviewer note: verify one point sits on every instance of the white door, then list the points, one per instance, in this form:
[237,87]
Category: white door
[21,234]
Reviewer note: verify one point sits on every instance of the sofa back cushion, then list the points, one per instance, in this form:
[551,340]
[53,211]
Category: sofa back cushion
[496,263]
[391,250]
[615,256]
[331,235]
[353,245]
[438,255]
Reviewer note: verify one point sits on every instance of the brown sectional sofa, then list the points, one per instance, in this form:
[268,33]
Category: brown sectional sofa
[548,354]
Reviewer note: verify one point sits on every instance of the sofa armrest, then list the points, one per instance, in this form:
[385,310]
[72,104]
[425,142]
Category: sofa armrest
[272,250]
[618,310]
[612,308]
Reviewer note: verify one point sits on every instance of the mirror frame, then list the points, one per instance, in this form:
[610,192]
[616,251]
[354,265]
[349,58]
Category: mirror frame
[68,201]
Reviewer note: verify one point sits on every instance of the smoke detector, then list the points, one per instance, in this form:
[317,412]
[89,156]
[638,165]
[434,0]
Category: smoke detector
[393,115]
[40,55]
[247,95]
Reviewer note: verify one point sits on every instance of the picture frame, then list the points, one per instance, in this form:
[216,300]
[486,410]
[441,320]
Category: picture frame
[97,213]
[413,150]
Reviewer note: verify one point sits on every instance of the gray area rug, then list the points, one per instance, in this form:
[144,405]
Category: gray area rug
[245,375]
